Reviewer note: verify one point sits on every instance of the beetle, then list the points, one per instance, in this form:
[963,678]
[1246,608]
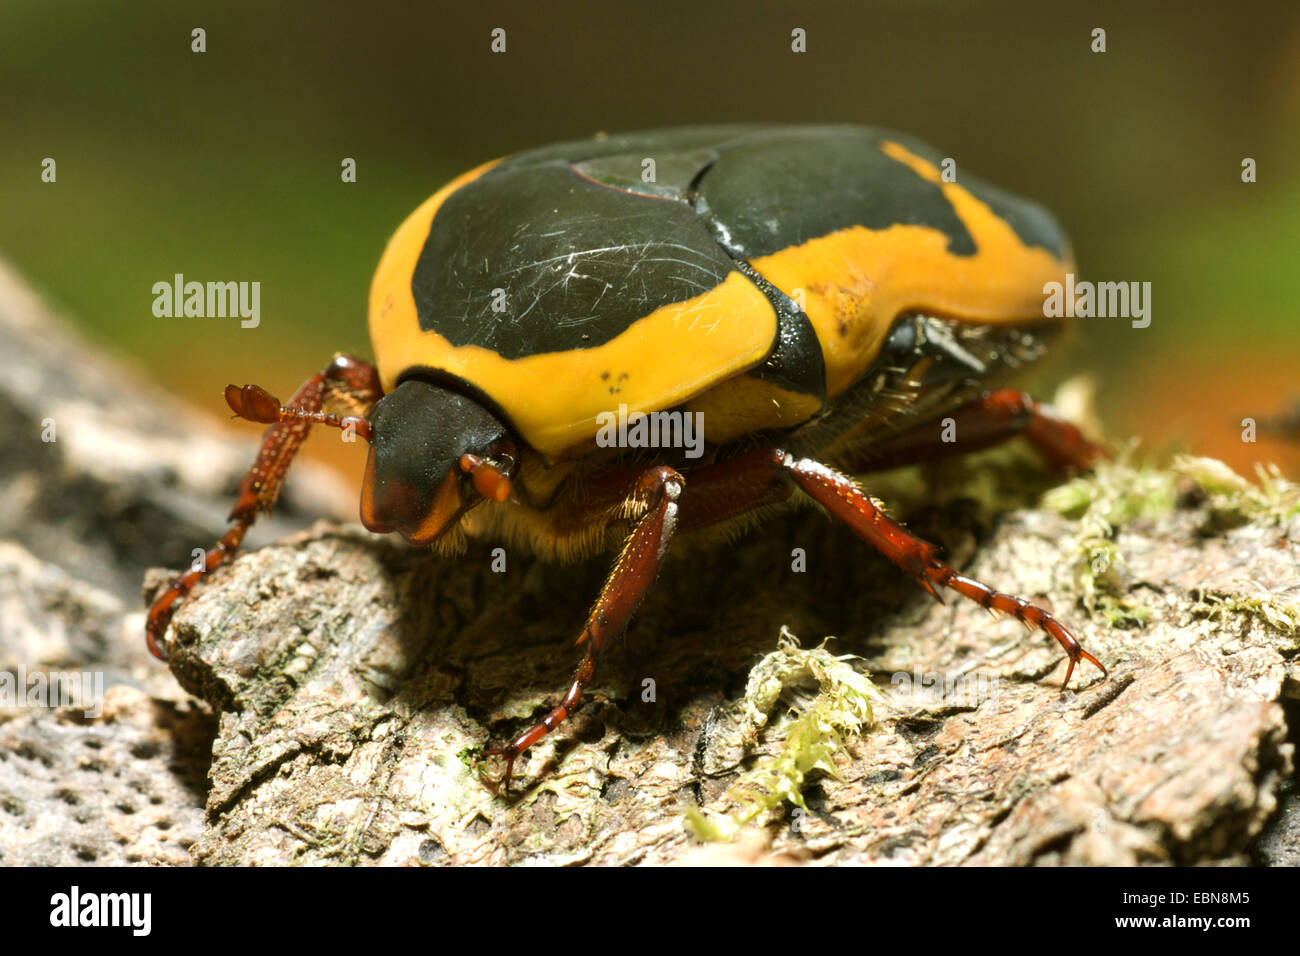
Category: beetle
[821,297]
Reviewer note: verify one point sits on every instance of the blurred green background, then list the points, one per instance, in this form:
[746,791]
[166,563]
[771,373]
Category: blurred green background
[225,165]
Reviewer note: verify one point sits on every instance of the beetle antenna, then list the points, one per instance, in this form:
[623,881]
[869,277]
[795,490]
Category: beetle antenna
[255,404]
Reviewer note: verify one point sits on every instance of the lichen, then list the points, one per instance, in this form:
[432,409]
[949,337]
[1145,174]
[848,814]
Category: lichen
[819,729]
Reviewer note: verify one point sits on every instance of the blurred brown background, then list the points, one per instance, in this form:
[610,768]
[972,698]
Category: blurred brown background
[225,165]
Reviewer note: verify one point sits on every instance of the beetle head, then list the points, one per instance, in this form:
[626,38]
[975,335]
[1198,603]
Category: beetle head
[434,455]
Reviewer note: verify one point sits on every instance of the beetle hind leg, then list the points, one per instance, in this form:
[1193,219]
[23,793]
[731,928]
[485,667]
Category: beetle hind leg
[347,382]
[992,418]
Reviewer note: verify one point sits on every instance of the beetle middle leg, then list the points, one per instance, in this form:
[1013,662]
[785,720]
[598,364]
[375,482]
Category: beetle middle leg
[655,499]
[348,383]
[842,497]
[768,475]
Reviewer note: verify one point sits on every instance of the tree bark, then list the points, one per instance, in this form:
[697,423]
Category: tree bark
[356,682]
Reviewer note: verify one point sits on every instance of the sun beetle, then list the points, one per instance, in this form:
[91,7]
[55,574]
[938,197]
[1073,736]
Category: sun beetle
[823,296]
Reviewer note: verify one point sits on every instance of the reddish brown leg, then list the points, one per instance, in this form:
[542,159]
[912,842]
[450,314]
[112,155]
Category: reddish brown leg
[841,496]
[992,418]
[655,496]
[348,381]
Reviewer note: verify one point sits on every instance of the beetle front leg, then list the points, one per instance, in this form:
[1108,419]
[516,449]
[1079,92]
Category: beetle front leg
[842,497]
[655,498]
[351,383]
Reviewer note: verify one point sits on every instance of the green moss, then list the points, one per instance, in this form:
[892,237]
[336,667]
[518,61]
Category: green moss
[1274,500]
[1120,491]
[1113,494]
[1280,612]
[819,729]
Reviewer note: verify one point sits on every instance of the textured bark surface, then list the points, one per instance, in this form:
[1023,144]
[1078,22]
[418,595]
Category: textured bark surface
[355,680]
[345,683]
[103,476]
